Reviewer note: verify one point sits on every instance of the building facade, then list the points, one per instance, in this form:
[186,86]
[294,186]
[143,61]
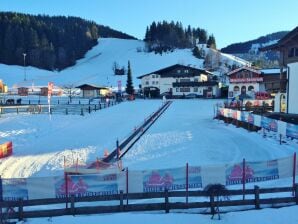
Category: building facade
[245,82]
[92,91]
[288,48]
[178,81]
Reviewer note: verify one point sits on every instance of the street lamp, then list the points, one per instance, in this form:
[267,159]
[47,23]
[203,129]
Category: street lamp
[24,54]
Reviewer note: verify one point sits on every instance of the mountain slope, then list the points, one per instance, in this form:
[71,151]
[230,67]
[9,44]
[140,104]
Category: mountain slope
[48,42]
[245,47]
[96,66]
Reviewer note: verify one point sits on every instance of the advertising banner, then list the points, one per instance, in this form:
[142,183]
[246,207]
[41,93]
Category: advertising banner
[160,180]
[261,171]
[254,172]
[234,114]
[292,130]
[250,119]
[14,189]
[282,128]
[269,124]
[234,174]
[221,111]
[194,177]
[239,115]
[257,120]
[244,116]
[41,187]
[86,185]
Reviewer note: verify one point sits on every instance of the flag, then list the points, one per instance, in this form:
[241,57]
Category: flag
[5,149]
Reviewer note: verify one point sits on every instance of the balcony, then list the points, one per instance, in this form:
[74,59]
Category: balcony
[194,84]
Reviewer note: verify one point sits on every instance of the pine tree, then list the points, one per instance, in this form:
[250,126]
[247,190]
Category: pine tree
[129,85]
[211,42]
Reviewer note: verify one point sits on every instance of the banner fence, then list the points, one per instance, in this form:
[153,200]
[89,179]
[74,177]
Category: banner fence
[134,181]
[280,127]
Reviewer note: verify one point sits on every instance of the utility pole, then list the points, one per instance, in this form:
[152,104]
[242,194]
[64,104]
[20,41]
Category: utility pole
[24,54]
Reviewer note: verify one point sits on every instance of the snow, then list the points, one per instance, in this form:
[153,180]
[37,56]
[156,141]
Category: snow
[270,215]
[96,66]
[186,132]
[271,71]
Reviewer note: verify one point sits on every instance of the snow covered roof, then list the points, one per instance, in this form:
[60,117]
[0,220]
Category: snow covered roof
[164,70]
[255,70]
[272,71]
[84,86]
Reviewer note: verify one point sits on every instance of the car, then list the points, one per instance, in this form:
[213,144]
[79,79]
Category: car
[191,96]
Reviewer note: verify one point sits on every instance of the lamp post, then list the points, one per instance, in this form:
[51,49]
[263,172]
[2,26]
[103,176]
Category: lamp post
[24,54]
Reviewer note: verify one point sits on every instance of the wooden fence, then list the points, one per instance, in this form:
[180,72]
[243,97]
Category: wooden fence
[132,202]
[79,109]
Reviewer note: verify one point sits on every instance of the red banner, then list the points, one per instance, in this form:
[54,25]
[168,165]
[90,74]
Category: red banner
[5,149]
[50,89]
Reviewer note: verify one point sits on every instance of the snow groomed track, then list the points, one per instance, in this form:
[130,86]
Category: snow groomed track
[127,144]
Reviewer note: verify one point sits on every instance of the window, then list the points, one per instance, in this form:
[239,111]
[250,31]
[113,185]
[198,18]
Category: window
[177,80]
[195,79]
[236,88]
[184,80]
[177,90]
[291,52]
[147,83]
[195,89]
[153,82]
[186,71]
[156,82]
[185,89]
[243,89]
[178,71]
[250,88]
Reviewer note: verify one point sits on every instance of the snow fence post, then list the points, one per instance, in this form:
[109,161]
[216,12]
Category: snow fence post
[66,189]
[167,201]
[121,201]
[186,183]
[257,197]
[243,178]
[294,173]
[1,195]
[127,185]
[117,147]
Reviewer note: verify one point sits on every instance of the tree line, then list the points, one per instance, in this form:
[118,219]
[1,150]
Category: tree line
[165,36]
[51,43]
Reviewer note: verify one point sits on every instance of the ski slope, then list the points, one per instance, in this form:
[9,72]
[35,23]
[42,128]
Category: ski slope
[96,66]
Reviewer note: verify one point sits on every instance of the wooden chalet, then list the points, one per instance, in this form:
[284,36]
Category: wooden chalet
[23,91]
[178,81]
[245,81]
[91,91]
[288,48]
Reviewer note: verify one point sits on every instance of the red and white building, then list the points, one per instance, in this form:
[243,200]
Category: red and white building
[245,82]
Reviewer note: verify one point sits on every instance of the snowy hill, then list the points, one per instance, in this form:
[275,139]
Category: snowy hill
[249,50]
[96,66]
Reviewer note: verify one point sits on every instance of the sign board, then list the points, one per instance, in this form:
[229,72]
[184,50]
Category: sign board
[244,80]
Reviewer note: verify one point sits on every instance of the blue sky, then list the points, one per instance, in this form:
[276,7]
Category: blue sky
[229,20]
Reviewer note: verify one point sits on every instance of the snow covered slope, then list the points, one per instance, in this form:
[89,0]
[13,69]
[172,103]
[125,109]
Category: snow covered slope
[96,66]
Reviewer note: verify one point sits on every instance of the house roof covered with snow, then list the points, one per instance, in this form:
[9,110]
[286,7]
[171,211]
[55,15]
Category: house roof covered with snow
[272,71]
[164,71]
[90,86]
[252,69]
